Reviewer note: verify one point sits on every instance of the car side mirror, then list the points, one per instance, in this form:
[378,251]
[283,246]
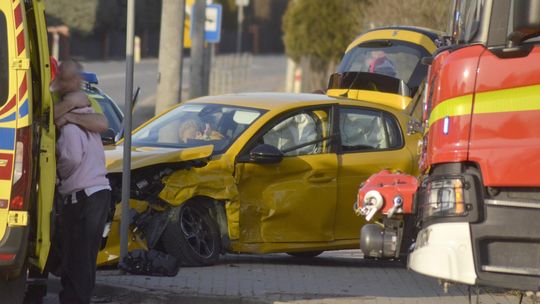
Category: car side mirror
[265,154]
[107,137]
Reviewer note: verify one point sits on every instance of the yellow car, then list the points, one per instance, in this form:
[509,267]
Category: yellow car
[384,65]
[256,173]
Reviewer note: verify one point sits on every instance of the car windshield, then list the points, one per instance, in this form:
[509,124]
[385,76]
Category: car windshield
[193,125]
[392,58]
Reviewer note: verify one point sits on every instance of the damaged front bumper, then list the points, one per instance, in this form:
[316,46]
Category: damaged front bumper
[162,180]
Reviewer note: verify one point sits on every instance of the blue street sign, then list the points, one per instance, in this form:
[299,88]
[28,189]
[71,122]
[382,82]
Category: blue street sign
[212,26]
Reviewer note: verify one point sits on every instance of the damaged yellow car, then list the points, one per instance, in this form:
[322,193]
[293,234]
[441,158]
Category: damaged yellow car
[256,173]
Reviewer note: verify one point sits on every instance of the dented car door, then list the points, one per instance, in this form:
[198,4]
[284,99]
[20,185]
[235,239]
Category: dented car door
[294,199]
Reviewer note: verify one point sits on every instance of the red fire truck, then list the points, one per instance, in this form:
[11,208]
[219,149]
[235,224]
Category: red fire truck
[477,204]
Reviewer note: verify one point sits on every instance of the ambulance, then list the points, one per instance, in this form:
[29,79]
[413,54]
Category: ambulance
[27,145]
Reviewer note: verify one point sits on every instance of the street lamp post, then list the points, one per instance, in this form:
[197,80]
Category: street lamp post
[241,4]
[126,174]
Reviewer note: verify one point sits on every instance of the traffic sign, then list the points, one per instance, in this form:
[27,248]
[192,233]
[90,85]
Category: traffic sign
[212,26]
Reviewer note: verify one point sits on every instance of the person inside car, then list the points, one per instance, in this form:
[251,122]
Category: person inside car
[381,64]
[191,129]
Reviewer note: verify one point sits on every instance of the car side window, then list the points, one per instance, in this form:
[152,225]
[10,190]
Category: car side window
[4,61]
[368,130]
[293,134]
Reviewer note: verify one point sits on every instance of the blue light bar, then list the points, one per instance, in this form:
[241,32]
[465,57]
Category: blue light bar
[89,77]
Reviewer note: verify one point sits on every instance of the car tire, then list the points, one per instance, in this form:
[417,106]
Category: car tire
[305,254]
[12,290]
[193,239]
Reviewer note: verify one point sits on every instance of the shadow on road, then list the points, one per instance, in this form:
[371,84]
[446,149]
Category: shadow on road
[319,261]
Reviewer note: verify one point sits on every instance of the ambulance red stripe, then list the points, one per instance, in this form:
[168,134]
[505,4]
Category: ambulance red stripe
[12,102]
[20,42]
[6,166]
[23,88]
[18,16]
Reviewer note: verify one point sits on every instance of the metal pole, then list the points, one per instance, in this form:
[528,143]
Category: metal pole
[183,20]
[196,83]
[126,174]
[207,67]
[239,29]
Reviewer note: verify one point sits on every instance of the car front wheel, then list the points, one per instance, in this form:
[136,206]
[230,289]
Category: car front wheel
[194,239]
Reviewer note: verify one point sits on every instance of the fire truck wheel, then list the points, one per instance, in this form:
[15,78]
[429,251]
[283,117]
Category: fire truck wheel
[194,239]
[306,254]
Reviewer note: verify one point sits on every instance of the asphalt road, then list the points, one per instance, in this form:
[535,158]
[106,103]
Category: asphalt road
[266,74]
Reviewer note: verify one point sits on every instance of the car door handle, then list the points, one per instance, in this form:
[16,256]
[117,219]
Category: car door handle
[320,178]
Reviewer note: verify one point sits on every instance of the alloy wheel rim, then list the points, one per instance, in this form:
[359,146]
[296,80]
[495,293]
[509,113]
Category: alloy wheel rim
[197,232]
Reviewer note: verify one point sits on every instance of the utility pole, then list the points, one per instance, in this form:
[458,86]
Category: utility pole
[197,78]
[240,21]
[208,55]
[239,29]
[126,170]
[171,47]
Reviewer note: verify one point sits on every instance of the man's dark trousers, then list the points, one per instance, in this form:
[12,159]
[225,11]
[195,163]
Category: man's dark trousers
[82,228]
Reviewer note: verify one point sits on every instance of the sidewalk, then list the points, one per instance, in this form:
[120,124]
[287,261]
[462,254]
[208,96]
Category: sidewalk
[335,278]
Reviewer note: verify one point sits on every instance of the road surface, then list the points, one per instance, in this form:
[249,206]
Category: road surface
[339,277]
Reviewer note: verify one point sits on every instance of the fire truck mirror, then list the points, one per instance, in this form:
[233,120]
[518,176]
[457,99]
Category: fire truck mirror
[526,20]
[427,60]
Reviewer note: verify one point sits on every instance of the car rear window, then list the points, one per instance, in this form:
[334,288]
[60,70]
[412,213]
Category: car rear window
[4,61]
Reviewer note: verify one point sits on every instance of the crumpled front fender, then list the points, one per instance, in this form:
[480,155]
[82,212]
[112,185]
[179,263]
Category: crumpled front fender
[215,181]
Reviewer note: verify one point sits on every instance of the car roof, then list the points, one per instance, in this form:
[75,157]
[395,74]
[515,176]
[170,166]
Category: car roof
[423,37]
[266,101]
[431,33]
[283,101]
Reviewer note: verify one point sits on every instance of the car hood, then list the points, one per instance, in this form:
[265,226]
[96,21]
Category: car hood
[147,156]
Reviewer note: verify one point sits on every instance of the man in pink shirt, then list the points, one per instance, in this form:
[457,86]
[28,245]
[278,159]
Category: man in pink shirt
[83,186]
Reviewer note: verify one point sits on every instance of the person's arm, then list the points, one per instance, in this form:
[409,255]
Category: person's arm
[70,102]
[93,122]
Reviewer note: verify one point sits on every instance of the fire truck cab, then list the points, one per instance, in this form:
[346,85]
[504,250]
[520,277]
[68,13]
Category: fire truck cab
[27,155]
[478,201]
